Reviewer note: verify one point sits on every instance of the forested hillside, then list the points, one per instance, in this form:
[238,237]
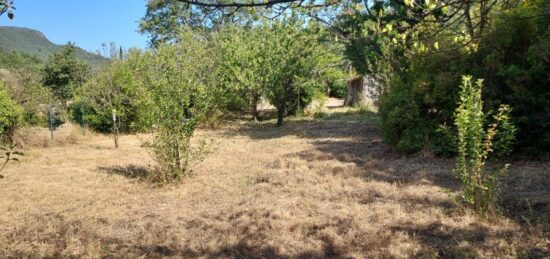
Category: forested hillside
[33,42]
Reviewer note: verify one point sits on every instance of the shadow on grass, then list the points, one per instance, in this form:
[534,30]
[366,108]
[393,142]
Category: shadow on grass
[335,106]
[353,137]
[323,125]
[129,171]
[440,241]
[239,250]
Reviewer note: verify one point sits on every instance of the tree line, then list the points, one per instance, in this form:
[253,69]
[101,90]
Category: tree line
[418,49]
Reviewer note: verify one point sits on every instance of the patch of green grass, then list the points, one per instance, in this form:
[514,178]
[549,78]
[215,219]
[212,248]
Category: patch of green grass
[360,113]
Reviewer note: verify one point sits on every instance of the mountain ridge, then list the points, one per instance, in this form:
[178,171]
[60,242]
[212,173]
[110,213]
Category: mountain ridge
[35,42]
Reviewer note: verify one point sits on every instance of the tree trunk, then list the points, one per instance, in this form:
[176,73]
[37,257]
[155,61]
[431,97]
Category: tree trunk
[255,101]
[298,108]
[115,134]
[115,131]
[178,160]
[281,109]
[280,115]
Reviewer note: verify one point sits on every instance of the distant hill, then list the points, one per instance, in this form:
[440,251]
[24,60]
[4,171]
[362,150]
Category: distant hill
[35,43]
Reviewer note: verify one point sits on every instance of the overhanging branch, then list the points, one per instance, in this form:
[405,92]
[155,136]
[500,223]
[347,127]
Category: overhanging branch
[268,3]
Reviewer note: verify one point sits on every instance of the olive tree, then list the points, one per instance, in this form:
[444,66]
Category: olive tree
[181,80]
[243,67]
[291,57]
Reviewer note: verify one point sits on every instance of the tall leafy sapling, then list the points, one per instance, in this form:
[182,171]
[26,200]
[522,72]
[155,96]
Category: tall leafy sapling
[476,143]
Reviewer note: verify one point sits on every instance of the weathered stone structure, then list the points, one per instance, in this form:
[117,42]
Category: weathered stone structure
[362,90]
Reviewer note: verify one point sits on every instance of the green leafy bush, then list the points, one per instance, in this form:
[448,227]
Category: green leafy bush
[10,115]
[513,58]
[338,89]
[180,79]
[476,143]
[411,120]
[64,72]
[86,116]
[119,86]
[515,65]
[421,98]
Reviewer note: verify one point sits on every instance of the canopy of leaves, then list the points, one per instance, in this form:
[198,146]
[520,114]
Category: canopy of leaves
[510,56]
[165,19]
[120,87]
[63,73]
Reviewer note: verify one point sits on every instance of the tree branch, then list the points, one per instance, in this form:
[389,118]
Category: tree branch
[268,3]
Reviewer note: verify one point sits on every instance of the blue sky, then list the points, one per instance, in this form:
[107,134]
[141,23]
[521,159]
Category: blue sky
[88,23]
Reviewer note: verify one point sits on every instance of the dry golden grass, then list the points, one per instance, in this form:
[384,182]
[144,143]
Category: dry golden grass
[36,137]
[312,189]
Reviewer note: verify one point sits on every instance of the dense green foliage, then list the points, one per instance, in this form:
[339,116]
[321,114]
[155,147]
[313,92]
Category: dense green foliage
[182,80]
[10,114]
[283,61]
[515,65]
[24,76]
[290,58]
[34,43]
[118,86]
[243,68]
[21,74]
[29,64]
[165,19]
[419,100]
[512,57]
[338,88]
[279,61]
[63,73]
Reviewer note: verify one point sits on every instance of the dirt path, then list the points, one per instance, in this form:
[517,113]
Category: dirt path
[314,188]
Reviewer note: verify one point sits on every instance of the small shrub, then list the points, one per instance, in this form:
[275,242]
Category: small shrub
[403,124]
[338,89]
[320,115]
[180,78]
[8,154]
[444,141]
[317,105]
[475,143]
[86,116]
[10,115]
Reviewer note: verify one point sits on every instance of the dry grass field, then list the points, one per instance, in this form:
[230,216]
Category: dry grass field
[315,188]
